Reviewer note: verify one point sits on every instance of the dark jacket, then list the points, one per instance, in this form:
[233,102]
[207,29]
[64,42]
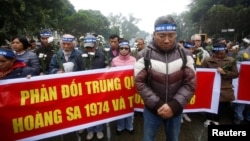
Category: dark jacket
[75,57]
[176,88]
[31,60]
[226,91]
[20,72]
[98,60]
[49,51]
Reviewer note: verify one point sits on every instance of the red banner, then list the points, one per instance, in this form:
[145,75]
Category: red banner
[206,96]
[243,89]
[241,84]
[75,99]
[45,106]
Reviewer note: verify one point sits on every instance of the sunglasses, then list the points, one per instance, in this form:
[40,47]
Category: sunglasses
[122,48]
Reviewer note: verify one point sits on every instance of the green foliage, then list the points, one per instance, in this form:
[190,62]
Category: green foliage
[28,17]
[85,21]
[125,26]
[25,17]
[211,16]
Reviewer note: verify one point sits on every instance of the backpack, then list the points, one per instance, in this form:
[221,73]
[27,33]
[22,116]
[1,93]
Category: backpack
[147,62]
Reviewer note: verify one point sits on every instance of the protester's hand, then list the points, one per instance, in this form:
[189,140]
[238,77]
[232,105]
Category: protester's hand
[220,70]
[165,111]
[28,76]
[60,71]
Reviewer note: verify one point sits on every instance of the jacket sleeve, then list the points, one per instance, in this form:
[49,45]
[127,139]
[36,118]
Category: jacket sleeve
[187,88]
[53,66]
[34,62]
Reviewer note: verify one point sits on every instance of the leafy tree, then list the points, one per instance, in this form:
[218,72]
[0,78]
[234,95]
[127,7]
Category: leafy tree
[211,16]
[115,23]
[85,21]
[25,17]
[126,27]
[219,17]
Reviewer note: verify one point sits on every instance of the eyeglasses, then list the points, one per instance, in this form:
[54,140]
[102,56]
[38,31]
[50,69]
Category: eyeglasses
[122,48]
[164,36]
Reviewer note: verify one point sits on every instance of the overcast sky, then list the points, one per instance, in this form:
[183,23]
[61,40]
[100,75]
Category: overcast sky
[147,10]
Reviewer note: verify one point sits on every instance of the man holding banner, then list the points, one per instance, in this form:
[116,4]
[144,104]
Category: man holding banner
[168,84]
[67,58]
[94,59]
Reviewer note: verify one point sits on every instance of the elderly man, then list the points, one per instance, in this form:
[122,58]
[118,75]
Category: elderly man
[66,59]
[199,52]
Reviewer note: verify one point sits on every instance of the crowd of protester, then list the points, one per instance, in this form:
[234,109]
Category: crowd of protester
[25,58]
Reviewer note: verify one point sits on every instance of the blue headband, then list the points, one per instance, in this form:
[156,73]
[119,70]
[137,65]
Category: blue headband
[46,34]
[165,27]
[89,40]
[8,53]
[64,39]
[187,45]
[124,44]
[219,48]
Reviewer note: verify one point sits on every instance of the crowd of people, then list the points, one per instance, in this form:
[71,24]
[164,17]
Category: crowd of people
[172,84]
[222,55]
[23,58]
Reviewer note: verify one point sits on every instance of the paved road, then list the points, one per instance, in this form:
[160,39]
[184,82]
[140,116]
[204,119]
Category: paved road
[190,131]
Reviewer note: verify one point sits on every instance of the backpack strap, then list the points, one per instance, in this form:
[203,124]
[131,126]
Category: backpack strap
[147,61]
[183,57]
[147,64]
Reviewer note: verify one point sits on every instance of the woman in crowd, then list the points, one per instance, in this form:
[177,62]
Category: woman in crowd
[11,68]
[20,45]
[228,71]
[124,58]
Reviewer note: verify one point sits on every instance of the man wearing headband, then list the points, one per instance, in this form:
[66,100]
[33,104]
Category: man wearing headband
[189,46]
[93,59]
[45,49]
[67,59]
[227,68]
[172,84]
[11,68]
